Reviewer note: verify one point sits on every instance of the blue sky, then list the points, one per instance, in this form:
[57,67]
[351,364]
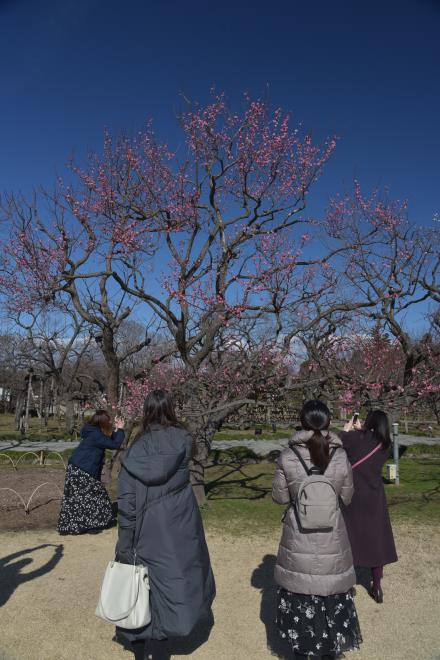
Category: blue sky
[366,71]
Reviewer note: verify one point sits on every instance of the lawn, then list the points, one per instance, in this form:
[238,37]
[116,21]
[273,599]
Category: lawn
[239,496]
[37,431]
[239,492]
[249,434]
[56,430]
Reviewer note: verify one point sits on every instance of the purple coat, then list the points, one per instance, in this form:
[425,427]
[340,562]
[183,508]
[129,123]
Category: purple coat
[366,517]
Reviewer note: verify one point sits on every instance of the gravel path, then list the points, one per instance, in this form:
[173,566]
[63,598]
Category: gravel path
[49,614]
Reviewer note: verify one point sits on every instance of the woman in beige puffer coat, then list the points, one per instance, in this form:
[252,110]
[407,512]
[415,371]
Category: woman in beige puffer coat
[316,615]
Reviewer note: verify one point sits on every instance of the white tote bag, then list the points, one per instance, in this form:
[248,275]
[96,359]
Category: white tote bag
[125,596]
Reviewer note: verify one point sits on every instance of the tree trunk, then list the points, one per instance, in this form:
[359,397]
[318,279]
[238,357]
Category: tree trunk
[203,437]
[41,406]
[203,429]
[69,416]
[113,367]
[57,404]
[113,385]
[197,470]
[19,406]
[28,404]
[114,463]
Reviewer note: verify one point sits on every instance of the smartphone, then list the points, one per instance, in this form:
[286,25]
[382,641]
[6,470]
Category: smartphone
[355,417]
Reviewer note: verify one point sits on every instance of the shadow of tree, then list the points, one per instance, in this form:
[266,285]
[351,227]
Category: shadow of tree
[429,495]
[215,487]
[421,497]
[11,575]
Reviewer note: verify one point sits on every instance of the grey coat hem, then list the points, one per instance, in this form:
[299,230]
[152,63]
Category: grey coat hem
[314,585]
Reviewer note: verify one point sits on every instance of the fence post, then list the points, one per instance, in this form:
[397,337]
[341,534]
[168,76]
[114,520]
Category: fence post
[396,450]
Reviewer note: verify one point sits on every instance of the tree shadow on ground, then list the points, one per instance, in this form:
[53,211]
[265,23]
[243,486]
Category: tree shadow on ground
[11,575]
[215,488]
[165,650]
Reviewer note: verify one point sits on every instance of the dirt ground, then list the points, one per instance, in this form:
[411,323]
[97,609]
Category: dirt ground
[49,586]
[44,505]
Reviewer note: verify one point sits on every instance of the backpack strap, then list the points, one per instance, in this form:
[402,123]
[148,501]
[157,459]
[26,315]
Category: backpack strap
[308,470]
[332,453]
[301,460]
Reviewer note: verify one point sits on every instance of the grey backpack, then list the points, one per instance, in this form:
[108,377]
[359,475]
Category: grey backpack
[316,504]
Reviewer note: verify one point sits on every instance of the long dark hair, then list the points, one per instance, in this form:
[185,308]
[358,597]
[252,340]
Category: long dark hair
[315,416]
[103,421]
[159,409]
[377,422]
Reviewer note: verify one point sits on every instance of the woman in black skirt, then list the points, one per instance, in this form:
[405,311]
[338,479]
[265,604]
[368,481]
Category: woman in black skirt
[316,614]
[86,505]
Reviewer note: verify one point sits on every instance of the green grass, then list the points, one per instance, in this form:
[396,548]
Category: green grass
[418,450]
[249,434]
[417,498]
[239,493]
[267,433]
[239,496]
[55,429]
[417,428]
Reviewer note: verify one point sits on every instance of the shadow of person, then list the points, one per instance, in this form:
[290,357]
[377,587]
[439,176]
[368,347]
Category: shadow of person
[262,579]
[166,649]
[11,575]
[363,577]
[198,637]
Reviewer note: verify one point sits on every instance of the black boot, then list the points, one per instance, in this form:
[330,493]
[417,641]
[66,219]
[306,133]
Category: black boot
[376,594]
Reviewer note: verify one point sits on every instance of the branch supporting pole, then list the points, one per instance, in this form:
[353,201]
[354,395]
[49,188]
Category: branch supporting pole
[396,451]
[28,401]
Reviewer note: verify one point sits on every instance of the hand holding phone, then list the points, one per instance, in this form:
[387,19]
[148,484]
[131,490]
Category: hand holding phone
[119,422]
[353,423]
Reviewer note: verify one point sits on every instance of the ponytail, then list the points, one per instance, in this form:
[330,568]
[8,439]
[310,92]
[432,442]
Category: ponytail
[315,416]
[318,446]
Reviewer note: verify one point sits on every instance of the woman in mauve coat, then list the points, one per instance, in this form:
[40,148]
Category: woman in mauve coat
[314,571]
[160,519]
[367,519]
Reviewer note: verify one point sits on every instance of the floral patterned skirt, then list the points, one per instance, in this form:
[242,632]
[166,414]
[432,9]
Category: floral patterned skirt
[85,505]
[318,625]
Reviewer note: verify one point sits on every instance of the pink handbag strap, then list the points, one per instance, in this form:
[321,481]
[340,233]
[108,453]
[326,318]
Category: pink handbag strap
[373,451]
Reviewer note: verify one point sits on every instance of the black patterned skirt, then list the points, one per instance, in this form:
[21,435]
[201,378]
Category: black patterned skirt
[318,625]
[85,505]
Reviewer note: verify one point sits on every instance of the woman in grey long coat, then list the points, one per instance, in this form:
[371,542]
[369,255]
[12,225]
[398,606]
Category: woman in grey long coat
[316,615]
[156,505]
